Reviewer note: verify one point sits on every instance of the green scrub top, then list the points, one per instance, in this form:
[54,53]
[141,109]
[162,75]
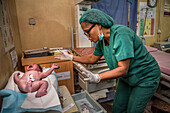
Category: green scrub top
[124,43]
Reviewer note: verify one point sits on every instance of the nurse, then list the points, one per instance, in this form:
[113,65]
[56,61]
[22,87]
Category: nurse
[127,59]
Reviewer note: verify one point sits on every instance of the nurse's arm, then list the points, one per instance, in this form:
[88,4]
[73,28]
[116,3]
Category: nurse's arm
[120,71]
[87,59]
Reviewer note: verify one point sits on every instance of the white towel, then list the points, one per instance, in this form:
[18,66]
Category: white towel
[31,102]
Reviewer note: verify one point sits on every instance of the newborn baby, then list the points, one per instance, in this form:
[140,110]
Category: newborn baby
[31,80]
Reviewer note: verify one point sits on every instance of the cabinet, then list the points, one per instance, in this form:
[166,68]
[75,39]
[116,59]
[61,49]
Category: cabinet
[81,39]
[47,61]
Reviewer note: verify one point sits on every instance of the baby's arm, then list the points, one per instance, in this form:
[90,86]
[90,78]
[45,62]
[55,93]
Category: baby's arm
[54,66]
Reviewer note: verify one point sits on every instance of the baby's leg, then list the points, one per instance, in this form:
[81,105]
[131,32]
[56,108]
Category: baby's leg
[42,89]
[16,78]
[28,87]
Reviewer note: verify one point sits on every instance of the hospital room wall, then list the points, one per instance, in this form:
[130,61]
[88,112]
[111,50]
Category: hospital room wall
[53,21]
[6,67]
[164,25]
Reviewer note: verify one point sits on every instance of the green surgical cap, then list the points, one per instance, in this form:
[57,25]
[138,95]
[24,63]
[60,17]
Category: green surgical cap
[97,17]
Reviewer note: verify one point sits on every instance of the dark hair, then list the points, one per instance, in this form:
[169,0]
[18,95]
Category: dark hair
[40,67]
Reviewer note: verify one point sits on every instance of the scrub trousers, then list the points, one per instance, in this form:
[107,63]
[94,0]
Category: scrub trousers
[132,99]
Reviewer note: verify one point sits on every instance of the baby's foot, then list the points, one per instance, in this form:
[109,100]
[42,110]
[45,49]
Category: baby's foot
[28,86]
[41,93]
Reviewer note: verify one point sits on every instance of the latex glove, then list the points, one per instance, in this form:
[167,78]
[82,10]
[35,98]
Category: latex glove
[91,77]
[63,56]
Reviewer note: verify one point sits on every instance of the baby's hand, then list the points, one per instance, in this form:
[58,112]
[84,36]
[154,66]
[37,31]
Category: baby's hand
[55,66]
[17,74]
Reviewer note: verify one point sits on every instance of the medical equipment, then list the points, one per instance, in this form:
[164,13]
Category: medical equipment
[99,67]
[37,52]
[163,46]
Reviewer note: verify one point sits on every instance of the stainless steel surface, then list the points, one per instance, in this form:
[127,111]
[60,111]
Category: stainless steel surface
[72,37]
[35,50]
[92,87]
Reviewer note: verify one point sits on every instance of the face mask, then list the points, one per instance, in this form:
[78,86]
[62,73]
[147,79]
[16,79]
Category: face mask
[100,36]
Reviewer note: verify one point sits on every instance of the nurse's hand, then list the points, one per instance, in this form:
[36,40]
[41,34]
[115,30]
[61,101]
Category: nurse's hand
[92,77]
[62,55]
[95,78]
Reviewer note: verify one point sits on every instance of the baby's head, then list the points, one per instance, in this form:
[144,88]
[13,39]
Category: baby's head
[34,67]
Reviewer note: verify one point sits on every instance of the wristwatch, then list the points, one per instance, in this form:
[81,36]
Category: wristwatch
[151,3]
